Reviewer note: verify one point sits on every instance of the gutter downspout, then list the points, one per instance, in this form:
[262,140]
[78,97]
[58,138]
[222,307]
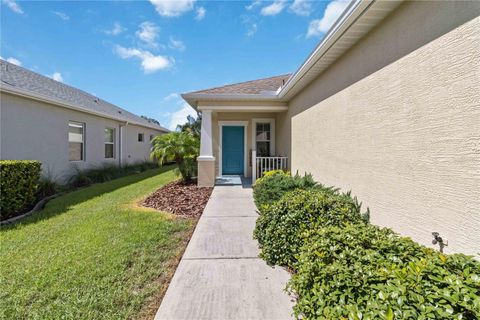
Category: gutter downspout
[120,143]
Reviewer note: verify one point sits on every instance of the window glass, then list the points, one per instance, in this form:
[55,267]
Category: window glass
[263,148]
[109,143]
[109,134]
[109,151]
[263,139]
[76,141]
[140,137]
[151,137]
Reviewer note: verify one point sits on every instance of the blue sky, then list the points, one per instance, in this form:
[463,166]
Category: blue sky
[140,55]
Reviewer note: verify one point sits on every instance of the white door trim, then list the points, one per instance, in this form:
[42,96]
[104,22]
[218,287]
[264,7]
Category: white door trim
[222,124]
[272,133]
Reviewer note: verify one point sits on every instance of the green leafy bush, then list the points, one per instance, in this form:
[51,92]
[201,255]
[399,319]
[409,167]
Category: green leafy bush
[181,147]
[107,172]
[279,227]
[18,185]
[363,271]
[274,184]
[46,187]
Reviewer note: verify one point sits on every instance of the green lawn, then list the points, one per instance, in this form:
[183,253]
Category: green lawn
[92,254]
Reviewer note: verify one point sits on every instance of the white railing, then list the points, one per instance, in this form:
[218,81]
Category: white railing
[260,165]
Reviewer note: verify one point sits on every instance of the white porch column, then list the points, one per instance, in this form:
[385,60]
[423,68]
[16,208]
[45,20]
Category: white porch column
[206,160]
[206,139]
[254,166]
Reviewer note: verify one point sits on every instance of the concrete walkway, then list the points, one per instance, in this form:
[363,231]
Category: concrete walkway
[220,275]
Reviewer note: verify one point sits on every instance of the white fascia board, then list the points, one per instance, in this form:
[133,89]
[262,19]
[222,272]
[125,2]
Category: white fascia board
[241,108]
[59,103]
[348,17]
[193,98]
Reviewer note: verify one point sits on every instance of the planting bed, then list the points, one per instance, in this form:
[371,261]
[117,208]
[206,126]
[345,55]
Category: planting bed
[179,198]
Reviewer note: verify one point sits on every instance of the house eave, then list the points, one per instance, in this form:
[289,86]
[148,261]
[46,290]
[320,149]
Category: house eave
[356,21]
[193,99]
[244,108]
[60,103]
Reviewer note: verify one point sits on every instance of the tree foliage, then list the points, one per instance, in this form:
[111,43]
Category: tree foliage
[180,147]
[193,125]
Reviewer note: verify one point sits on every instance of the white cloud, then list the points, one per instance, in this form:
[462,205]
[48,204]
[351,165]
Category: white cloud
[252,29]
[171,96]
[201,11]
[150,62]
[148,33]
[61,15]
[57,76]
[172,8]
[253,5]
[116,30]
[332,12]
[14,6]
[250,22]
[180,116]
[12,61]
[274,8]
[176,44]
[301,7]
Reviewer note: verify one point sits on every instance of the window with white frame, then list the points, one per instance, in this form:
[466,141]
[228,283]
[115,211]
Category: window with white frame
[76,141]
[151,137]
[109,143]
[263,139]
[140,137]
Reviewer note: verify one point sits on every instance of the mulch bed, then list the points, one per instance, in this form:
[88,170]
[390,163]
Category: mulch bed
[179,198]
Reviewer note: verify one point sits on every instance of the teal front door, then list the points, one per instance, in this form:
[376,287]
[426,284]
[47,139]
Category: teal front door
[232,150]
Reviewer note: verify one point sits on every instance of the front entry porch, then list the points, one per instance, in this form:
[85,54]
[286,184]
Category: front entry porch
[238,144]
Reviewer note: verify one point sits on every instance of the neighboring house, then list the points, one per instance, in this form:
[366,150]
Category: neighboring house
[387,105]
[64,127]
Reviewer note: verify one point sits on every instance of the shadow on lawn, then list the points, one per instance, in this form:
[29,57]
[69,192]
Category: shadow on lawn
[63,203]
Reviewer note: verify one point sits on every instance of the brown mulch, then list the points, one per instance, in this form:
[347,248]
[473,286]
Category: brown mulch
[180,198]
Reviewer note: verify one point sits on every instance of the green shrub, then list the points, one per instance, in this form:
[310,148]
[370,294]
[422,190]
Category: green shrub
[182,147]
[279,227]
[18,185]
[46,187]
[107,172]
[363,271]
[274,184]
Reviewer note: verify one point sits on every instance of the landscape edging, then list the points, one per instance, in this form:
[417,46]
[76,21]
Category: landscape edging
[40,204]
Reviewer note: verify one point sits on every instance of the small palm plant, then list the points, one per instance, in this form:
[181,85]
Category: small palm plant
[181,147]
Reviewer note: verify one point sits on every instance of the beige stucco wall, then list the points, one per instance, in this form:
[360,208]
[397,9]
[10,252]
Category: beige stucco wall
[237,116]
[33,130]
[206,173]
[397,121]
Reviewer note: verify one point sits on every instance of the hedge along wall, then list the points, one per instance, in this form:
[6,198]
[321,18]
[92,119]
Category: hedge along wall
[18,184]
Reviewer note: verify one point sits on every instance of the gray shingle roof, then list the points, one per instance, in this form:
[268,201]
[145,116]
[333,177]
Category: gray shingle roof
[249,87]
[20,78]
